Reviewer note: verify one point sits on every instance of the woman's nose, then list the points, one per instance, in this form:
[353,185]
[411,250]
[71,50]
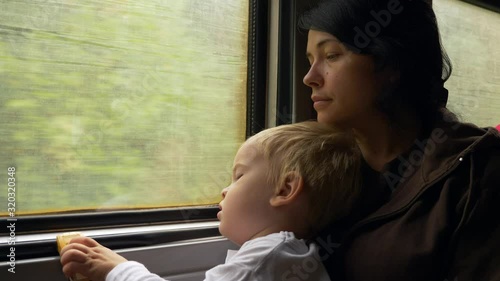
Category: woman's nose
[313,78]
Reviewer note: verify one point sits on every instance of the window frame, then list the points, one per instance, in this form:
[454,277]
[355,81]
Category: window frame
[485,4]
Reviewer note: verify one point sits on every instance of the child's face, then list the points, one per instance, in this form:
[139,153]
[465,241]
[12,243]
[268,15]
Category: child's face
[246,212]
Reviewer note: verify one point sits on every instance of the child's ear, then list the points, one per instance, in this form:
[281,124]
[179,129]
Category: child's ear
[289,190]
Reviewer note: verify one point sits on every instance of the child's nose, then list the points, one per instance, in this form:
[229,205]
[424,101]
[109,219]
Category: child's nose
[224,192]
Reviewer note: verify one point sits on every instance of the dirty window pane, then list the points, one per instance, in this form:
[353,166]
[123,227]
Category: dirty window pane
[120,104]
[470,35]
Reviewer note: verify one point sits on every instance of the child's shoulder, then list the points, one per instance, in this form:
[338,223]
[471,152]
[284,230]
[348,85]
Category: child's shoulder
[271,257]
[272,240]
[273,245]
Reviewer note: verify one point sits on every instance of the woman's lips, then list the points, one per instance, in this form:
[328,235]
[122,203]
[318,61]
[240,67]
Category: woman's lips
[320,102]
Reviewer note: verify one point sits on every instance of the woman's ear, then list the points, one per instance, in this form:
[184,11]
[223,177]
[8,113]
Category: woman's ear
[289,190]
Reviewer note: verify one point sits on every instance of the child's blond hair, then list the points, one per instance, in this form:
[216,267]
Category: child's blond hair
[327,159]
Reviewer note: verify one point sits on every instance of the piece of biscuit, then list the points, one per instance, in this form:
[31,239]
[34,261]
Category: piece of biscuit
[63,240]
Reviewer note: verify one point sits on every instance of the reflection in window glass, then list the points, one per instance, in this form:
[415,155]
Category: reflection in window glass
[120,104]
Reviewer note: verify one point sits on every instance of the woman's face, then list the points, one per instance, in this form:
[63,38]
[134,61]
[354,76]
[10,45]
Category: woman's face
[344,84]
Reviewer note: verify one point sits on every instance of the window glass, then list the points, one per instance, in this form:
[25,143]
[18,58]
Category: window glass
[120,104]
[470,36]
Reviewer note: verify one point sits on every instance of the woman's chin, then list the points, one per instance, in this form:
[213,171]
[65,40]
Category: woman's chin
[333,122]
[326,119]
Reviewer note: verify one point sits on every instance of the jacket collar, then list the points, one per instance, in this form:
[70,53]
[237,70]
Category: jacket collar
[432,159]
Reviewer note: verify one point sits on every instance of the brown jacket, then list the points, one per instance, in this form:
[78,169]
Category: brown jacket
[441,222]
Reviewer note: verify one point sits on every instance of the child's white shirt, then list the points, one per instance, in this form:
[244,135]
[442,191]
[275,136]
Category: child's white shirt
[277,256]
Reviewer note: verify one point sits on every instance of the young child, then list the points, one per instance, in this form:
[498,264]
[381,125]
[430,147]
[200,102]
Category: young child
[288,182]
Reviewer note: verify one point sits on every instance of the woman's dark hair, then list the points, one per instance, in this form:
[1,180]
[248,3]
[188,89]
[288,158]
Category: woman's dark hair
[400,34]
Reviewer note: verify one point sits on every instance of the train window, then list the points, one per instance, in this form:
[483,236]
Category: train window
[110,105]
[469,35]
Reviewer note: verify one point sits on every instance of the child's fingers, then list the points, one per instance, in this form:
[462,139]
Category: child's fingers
[87,241]
[92,262]
[84,256]
[74,253]
[72,268]
[74,259]
[74,246]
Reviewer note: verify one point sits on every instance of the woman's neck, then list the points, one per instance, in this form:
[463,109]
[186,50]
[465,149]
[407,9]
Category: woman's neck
[380,142]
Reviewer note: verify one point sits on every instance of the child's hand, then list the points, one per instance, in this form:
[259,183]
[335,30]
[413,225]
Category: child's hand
[85,256]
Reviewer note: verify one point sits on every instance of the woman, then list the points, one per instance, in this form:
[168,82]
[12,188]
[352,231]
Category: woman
[431,209]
